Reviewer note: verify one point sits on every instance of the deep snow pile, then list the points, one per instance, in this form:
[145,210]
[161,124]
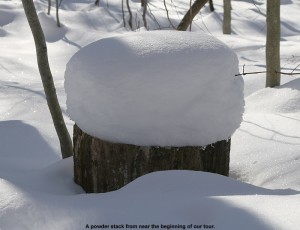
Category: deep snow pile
[270,133]
[161,88]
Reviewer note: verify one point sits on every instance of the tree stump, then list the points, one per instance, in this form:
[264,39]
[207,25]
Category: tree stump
[102,166]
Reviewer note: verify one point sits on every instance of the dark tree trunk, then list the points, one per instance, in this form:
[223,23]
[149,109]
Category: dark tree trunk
[130,14]
[57,15]
[211,6]
[49,7]
[144,13]
[102,166]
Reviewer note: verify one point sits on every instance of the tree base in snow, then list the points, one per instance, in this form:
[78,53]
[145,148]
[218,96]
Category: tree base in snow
[102,166]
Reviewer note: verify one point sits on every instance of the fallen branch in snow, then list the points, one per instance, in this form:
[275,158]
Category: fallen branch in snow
[284,73]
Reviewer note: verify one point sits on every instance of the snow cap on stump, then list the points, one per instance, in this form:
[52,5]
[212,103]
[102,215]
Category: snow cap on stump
[156,88]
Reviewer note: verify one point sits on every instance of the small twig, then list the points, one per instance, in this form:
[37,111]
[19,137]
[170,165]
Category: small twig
[173,5]
[287,73]
[295,68]
[166,8]
[242,74]
[204,23]
[154,18]
[284,73]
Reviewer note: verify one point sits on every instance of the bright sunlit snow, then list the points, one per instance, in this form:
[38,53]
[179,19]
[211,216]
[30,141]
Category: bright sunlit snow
[161,88]
[36,187]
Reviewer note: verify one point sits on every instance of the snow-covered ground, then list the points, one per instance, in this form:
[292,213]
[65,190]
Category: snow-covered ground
[36,186]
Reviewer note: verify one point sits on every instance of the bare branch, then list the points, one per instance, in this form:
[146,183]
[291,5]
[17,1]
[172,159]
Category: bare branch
[242,74]
[296,68]
[168,15]
[284,73]
[154,18]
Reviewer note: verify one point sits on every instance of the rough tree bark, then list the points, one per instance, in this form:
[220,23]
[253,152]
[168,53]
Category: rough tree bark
[227,17]
[273,43]
[102,166]
[47,79]
[189,16]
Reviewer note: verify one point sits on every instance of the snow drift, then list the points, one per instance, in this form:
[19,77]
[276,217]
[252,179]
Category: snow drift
[158,88]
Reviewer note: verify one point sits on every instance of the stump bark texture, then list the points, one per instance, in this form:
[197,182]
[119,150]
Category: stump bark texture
[102,166]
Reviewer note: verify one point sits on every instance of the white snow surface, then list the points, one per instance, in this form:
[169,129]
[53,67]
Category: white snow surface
[37,190]
[156,88]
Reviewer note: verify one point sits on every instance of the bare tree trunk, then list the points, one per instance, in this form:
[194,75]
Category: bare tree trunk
[189,16]
[145,5]
[227,17]
[49,7]
[211,6]
[47,79]
[273,43]
[97,2]
[57,16]
[130,14]
[123,14]
[102,166]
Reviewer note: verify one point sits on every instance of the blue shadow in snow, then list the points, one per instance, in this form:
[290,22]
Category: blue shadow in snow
[22,148]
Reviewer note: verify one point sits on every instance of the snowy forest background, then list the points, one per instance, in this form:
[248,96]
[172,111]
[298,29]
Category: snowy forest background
[36,187]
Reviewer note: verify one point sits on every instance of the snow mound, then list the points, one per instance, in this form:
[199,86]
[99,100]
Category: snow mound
[282,99]
[158,88]
[2,33]
[6,17]
[166,182]
[51,31]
